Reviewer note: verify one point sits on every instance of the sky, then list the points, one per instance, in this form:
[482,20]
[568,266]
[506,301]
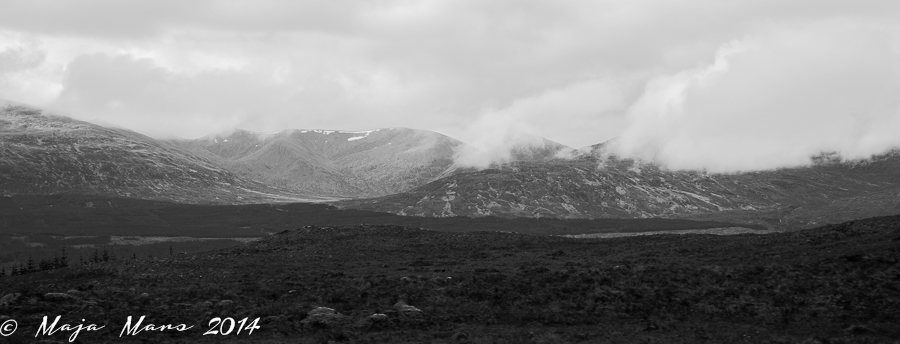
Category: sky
[722,86]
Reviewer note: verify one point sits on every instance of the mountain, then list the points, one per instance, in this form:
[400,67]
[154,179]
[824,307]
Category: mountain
[331,163]
[595,185]
[412,172]
[47,154]
[538,149]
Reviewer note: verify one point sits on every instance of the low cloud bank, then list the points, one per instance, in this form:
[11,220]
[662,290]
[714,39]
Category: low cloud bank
[494,139]
[774,100]
[499,136]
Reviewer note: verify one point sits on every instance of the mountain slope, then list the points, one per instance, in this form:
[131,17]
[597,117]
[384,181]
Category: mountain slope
[332,163]
[412,172]
[46,154]
[593,187]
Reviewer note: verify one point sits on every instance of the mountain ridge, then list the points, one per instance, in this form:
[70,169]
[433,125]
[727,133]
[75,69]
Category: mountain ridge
[591,186]
[331,162]
[414,172]
[48,154]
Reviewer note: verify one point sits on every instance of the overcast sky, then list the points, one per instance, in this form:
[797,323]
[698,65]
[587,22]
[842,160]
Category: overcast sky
[719,85]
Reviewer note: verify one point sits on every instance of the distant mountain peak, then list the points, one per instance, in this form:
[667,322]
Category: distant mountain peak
[334,163]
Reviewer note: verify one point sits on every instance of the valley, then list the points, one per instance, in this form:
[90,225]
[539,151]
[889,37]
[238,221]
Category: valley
[330,163]
[318,236]
[449,172]
[38,227]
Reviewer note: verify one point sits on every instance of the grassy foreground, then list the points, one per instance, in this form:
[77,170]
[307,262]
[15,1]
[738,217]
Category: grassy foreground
[388,284]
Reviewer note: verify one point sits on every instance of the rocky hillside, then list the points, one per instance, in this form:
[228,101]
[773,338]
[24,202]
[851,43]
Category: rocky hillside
[332,163]
[591,187]
[412,172]
[46,154]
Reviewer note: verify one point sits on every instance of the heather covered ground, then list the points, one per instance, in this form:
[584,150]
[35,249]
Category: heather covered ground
[373,283]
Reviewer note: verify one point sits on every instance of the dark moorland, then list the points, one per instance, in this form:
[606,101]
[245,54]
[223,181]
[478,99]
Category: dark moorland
[74,215]
[388,284]
[41,227]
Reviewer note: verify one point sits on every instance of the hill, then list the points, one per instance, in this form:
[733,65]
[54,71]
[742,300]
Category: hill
[415,173]
[595,185]
[331,163]
[47,154]
[50,154]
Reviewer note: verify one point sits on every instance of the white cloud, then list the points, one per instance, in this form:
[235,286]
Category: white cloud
[494,135]
[781,97]
[568,71]
[23,72]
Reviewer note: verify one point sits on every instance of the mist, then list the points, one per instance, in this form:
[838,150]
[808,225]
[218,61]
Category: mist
[742,85]
[492,138]
[773,100]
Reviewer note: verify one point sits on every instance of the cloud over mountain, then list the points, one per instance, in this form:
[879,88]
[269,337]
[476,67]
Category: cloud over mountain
[575,72]
[774,100]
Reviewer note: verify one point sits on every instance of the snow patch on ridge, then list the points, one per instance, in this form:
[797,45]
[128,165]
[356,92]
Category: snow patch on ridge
[365,132]
[318,131]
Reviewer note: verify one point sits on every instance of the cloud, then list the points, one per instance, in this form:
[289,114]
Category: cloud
[26,55]
[129,91]
[492,139]
[774,100]
[23,74]
[343,65]
[568,71]
[496,135]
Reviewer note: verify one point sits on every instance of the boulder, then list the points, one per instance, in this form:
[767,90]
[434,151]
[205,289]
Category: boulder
[59,297]
[204,304]
[9,299]
[404,308]
[323,317]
